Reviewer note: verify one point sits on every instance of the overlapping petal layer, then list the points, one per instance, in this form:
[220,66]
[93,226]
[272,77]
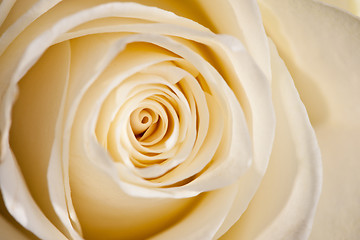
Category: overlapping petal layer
[149,111]
[148,105]
[285,203]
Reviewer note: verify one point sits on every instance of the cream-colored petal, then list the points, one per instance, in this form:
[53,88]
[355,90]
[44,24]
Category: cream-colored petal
[240,18]
[254,84]
[52,26]
[31,139]
[5,7]
[33,121]
[107,212]
[206,217]
[285,203]
[22,14]
[19,202]
[320,46]
[352,6]
[324,52]
[10,228]
[338,213]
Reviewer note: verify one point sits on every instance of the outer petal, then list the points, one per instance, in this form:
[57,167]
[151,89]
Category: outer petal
[352,6]
[338,213]
[284,205]
[320,45]
[241,19]
[9,228]
[215,15]
[30,143]
[19,202]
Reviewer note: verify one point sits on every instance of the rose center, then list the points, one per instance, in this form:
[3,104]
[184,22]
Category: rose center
[144,121]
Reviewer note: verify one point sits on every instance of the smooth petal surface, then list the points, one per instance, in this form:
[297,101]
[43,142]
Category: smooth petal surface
[352,6]
[338,213]
[241,18]
[320,46]
[285,203]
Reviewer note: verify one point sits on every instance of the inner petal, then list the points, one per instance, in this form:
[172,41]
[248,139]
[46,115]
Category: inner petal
[141,120]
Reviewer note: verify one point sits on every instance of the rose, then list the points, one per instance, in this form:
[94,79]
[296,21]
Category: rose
[299,193]
[16,211]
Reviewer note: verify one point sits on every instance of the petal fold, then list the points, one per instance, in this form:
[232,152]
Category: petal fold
[284,205]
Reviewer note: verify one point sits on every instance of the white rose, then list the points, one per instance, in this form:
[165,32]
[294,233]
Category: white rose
[126,121]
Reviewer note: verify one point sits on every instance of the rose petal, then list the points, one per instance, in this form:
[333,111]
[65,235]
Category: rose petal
[320,46]
[106,212]
[21,16]
[352,6]
[5,7]
[241,19]
[31,139]
[285,203]
[19,202]
[205,219]
[338,213]
[9,227]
